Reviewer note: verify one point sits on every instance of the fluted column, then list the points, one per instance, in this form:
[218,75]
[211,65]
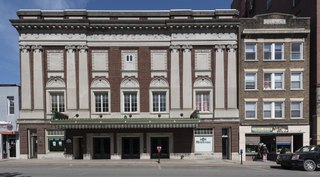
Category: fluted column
[83,77]
[38,96]
[71,78]
[220,78]
[187,77]
[25,77]
[175,78]
[232,77]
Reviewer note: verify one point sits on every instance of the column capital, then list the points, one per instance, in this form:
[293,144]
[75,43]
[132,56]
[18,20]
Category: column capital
[24,48]
[70,48]
[36,48]
[232,47]
[219,48]
[175,48]
[187,48]
[82,48]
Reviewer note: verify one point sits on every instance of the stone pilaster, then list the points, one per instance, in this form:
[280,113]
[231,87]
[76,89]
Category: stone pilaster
[187,77]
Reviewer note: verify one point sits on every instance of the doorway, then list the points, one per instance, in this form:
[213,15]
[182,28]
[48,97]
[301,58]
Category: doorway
[164,143]
[33,144]
[101,148]
[78,147]
[130,148]
[226,148]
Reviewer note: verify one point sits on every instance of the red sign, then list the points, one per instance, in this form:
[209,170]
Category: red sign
[159,149]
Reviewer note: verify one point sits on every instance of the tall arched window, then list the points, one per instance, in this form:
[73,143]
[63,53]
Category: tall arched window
[100,96]
[159,95]
[203,99]
[130,99]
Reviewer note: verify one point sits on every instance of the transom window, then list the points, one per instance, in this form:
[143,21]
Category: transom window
[202,101]
[296,51]
[296,109]
[273,81]
[57,102]
[129,58]
[250,51]
[296,80]
[251,110]
[273,110]
[130,102]
[250,81]
[273,51]
[10,104]
[101,102]
[159,102]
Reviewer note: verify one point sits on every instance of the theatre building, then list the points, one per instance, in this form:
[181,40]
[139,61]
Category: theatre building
[118,84]
[274,83]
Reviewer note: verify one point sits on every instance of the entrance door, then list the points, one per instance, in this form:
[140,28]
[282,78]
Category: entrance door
[297,142]
[33,146]
[130,148]
[226,148]
[101,148]
[78,148]
[12,147]
[164,143]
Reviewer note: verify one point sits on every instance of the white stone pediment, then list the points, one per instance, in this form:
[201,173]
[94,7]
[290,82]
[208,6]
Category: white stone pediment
[129,82]
[203,82]
[55,82]
[100,82]
[159,82]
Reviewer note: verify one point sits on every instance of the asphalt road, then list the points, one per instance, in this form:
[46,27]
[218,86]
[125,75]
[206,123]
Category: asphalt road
[151,170]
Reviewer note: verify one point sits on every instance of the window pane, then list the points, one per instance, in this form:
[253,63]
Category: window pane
[296,109]
[296,79]
[267,109]
[250,81]
[278,80]
[10,105]
[278,109]
[296,50]
[267,51]
[202,101]
[250,51]
[134,102]
[267,81]
[250,108]
[278,51]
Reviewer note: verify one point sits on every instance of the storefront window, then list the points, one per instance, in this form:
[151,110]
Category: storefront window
[56,141]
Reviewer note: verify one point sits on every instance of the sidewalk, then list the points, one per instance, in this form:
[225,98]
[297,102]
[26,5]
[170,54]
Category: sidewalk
[138,162]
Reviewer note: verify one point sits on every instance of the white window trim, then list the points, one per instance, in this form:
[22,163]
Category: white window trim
[8,105]
[256,79]
[123,90]
[210,99]
[151,100]
[273,110]
[301,108]
[273,52]
[245,111]
[93,102]
[49,98]
[273,80]
[301,80]
[301,51]
[255,51]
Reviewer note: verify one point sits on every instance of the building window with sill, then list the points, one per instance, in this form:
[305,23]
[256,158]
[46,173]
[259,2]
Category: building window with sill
[202,101]
[159,102]
[273,110]
[273,81]
[273,51]
[250,50]
[57,102]
[296,109]
[130,102]
[10,100]
[101,102]
[251,110]
[296,51]
[250,81]
[296,80]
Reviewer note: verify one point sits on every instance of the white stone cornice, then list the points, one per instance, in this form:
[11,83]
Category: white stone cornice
[187,48]
[24,48]
[219,48]
[82,48]
[175,48]
[70,48]
[36,48]
[232,48]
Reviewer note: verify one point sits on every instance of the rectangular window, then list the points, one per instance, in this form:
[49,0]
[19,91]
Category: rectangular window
[202,101]
[10,104]
[296,80]
[57,102]
[102,102]
[273,81]
[273,51]
[251,110]
[250,81]
[129,58]
[296,109]
[273,110]
[296,51]
[159,102]
[269,4]
[130,102]
[250,51]
[56,142]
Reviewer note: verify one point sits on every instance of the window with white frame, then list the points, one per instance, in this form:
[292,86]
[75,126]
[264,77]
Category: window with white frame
[251,50]
[159,101]
[296,80]
[250,81]
[296,109]
[272,110]
[251,109]
[57,102]
[296,51]
[202,101]
[130,101]
[10,100]
[273,81]
[129,60]
[273,51]
[101,101]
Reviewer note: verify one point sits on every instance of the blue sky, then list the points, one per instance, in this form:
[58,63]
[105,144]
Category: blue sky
[9,58]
